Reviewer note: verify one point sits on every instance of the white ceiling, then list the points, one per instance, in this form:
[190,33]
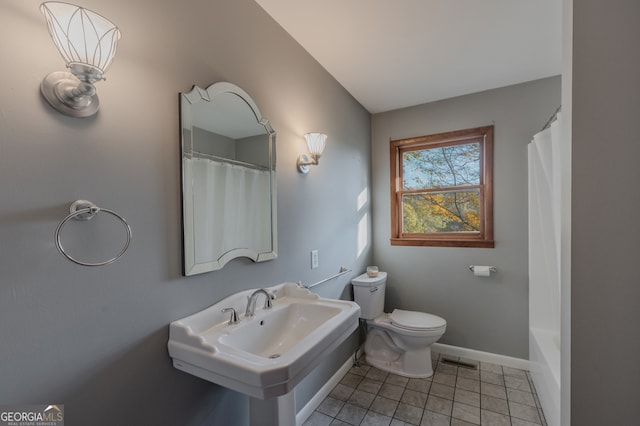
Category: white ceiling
[391,54]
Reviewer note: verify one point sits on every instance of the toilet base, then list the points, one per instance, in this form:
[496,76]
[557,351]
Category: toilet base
[405,365]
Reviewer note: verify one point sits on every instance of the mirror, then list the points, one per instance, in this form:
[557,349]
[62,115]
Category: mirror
[228,179]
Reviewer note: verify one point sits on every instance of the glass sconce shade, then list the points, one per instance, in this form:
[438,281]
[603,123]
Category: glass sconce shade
[316,143]
[82,37]
[87,42]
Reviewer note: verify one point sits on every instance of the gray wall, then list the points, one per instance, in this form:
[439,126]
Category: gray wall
[605,290]
[487,314]
[94,339]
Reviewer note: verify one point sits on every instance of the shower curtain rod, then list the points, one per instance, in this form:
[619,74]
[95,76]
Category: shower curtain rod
[228,160]
[552,118]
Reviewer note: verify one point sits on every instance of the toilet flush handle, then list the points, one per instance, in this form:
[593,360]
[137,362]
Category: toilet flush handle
[373,289]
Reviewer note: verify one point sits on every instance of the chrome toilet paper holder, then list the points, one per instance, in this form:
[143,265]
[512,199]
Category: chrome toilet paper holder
[491,268]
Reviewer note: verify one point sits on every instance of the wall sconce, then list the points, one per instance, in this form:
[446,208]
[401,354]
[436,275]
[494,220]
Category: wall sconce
[316,143]
[87,42]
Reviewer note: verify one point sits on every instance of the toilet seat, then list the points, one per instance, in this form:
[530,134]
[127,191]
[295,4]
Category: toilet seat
[416,321]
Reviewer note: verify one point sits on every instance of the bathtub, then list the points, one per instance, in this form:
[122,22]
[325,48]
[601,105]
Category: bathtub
[544,357]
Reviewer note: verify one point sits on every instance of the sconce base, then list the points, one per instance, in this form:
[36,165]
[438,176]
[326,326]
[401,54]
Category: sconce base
[70,96]
[303,164]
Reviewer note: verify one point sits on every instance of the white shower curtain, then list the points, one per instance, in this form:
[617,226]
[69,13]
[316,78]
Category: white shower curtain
[545,216]
[231,208]
[544,228]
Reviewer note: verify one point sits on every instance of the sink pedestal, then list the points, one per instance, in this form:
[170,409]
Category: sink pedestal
[277,411]
[265,355]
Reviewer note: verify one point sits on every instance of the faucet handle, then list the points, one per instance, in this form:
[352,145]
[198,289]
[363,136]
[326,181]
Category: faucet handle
[234,315]
[267,301]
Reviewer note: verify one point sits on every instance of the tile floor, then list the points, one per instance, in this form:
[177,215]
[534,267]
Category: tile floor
[491,395]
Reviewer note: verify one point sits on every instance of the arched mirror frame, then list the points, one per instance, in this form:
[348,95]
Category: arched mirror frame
[187,102]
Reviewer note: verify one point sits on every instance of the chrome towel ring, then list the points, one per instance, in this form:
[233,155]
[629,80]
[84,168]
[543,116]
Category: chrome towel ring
[86,210]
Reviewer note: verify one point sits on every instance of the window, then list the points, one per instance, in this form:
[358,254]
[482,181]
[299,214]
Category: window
[441,189]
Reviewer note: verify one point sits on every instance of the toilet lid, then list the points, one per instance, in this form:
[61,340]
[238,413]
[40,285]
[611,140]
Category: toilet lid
[416,320]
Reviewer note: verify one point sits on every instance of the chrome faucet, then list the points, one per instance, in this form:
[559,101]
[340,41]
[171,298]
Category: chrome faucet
[251,303]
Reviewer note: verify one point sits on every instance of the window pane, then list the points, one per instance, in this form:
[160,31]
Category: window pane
[451,211]
[448,166]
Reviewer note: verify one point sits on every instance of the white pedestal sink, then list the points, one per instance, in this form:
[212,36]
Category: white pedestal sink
[267,355]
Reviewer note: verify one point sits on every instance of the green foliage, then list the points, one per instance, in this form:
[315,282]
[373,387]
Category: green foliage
[441,212]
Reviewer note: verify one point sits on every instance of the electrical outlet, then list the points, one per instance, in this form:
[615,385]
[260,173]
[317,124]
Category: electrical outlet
[314,259]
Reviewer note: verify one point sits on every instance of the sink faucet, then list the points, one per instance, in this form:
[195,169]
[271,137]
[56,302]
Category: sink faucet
[251,303]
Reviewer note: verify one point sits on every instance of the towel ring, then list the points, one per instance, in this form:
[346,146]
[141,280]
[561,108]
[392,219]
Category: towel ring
[86,210]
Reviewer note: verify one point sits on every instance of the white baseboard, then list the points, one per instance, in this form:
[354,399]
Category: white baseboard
[507,361]
[315,402]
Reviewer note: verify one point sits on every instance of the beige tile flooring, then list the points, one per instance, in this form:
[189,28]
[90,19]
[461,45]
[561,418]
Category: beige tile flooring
[490,394]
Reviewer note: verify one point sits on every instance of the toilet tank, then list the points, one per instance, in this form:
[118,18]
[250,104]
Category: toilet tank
[368,293]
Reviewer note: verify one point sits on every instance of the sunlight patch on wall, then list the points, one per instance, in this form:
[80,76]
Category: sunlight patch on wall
[363,197]
[363,234]
[363,224]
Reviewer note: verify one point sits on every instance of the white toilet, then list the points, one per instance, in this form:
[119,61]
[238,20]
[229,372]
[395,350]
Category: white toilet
[399,342]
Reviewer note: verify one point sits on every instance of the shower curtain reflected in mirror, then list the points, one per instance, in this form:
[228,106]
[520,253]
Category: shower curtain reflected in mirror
[230,210]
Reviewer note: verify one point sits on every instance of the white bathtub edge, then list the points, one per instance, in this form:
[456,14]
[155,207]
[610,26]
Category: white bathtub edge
[545,373]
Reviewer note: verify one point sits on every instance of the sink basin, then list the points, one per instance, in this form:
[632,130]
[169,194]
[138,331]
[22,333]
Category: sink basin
[280,330]
[266,355]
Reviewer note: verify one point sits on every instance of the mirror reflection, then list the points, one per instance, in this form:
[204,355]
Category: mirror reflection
[228,179]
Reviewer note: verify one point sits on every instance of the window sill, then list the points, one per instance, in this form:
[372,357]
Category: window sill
[442,242]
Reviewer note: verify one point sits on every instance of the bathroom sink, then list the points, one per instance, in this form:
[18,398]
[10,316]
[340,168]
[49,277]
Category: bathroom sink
[265,355]
[280,329]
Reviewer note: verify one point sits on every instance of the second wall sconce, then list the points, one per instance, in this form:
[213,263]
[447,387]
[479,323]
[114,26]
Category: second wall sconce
[316,143]
[87,41]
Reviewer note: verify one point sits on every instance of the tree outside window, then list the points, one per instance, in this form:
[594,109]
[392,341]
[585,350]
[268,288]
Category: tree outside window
[441,189]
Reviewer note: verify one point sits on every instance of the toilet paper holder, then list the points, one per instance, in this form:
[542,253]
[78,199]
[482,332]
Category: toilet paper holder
[491,268]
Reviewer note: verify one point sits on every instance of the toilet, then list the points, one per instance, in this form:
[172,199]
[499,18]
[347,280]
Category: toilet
[399,342]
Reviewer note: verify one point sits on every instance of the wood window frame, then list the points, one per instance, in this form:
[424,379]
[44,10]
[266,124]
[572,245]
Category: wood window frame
[483,239]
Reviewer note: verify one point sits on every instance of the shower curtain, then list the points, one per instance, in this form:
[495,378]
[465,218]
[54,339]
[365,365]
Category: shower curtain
[544,227]
[231,208]
[545,202]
